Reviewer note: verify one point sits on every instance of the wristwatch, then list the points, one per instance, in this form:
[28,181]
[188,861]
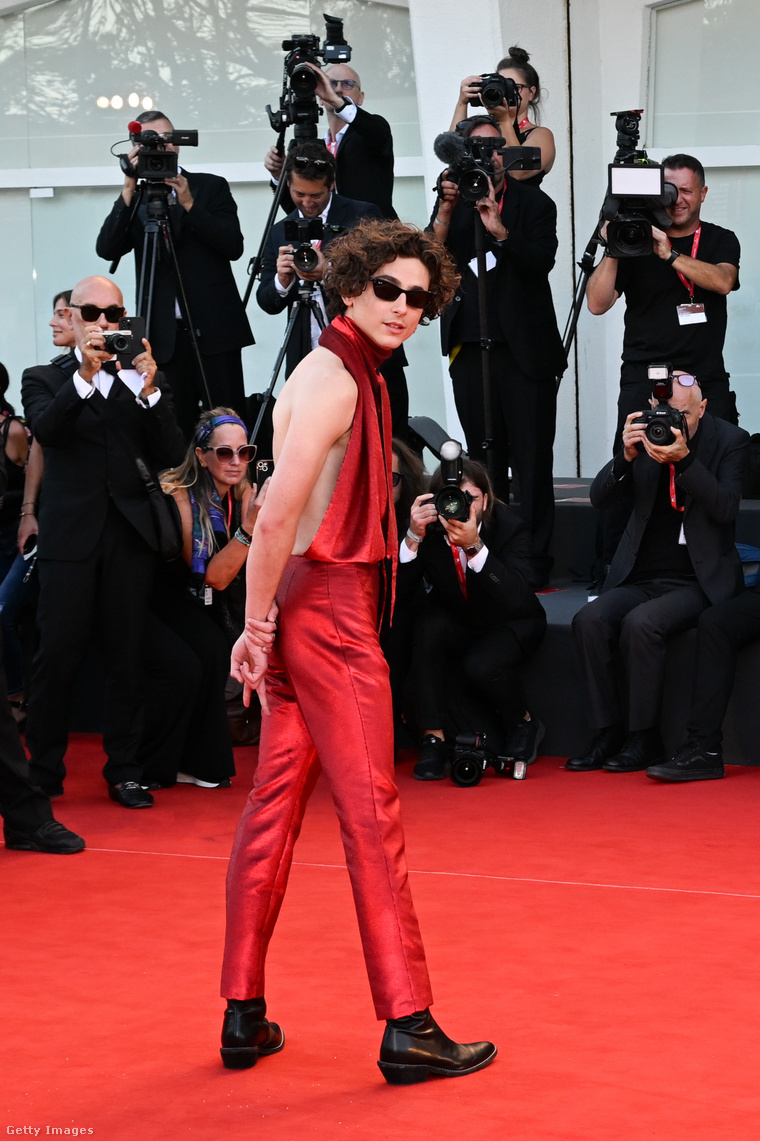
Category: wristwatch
[471,552]
[673,255]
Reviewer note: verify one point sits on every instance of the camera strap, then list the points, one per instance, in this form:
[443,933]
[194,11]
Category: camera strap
[673,502]
[689,285]
[460,569]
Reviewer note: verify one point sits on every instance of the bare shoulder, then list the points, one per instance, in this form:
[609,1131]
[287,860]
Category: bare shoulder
[321,387]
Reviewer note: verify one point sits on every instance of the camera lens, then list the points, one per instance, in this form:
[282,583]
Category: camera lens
[474,185]
[305,258]
[467,769]
[303,80]
[659,433]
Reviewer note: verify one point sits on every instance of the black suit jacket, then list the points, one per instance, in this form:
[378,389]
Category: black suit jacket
[521,309]
[206,239]
[89,448]
[497,594]
[342,215]
[712,482]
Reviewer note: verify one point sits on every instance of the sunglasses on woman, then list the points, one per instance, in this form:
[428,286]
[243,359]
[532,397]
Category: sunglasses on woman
[387,291]
[112,313]
[225,454]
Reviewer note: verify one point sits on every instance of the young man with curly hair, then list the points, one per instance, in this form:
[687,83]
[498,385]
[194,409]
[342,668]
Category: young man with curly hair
[312,652]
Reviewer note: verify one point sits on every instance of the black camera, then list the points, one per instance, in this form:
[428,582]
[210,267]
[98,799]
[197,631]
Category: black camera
[473,756]
[661,421]
[127,342]
[472,172]
[154,162]
[637,194]
[451,502]
[298,104]
[495,90]
[300,233]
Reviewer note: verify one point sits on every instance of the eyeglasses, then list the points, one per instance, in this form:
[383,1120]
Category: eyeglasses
[349,83]
[387,291]
[396,478]
[111,313]
[685,378]
[521,87]
[225,454]
[301,162]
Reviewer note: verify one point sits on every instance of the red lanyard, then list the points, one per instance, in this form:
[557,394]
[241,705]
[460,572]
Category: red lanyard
[525,123]
[673,503]
[689,285]
[460,569]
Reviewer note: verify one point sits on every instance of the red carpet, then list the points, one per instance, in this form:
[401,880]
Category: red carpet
[600,928]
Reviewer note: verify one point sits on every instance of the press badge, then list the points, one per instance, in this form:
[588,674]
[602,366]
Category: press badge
[681,537]
[692,314]
[208,596]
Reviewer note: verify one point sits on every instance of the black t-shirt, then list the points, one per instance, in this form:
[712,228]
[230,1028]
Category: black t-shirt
[653,289]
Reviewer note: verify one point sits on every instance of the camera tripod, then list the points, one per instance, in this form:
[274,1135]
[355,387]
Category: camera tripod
[306,302]
[158,229]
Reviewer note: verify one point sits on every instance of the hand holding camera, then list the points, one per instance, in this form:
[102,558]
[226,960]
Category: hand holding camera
[423,513]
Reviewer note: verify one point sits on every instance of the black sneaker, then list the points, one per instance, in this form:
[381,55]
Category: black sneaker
[523,741]
[434,759]
[690,762]
[49,837]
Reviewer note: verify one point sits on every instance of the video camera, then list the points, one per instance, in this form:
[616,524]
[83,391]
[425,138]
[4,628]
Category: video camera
[298,104]
[469,162]
[494,90]
[451,502]
[661,420]
[301,233]
[154,162]
[637,193]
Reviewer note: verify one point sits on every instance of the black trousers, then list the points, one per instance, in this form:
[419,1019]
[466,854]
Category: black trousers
[490,663]
[723,629]
[638,619]
[22,803]
[224,374]
[524,417]
[109,592]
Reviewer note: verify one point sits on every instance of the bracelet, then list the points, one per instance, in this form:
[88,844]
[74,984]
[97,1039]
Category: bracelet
[438,222]
[29,503]
[23,513]
[411,535]
[243,537]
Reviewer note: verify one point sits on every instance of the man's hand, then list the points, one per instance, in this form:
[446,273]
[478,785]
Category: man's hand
[182,190]
[249,665]
[91,348]
[324,91]
[274,162]
[662,246]
[671,454]
[284,266]
[462,534]
[633,435]
[488,208]
[423,513]
[448,196]
[147,368]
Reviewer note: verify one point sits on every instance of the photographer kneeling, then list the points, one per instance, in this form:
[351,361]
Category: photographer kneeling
[480,619]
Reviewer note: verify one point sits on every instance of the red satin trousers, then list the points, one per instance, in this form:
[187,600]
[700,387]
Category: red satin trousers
[330,706]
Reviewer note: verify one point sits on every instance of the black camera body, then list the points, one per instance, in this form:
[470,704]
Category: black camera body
[298,103]
[300,233]
[451,502]
[472,173]
[637,194]
[127,342]
[494,90]
[473,756]
[154,162]
[661,421]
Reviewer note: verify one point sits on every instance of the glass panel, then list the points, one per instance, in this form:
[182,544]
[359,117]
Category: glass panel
[705,74]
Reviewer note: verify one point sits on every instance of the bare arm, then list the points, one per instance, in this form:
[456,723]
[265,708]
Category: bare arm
[601,294]
[32,482]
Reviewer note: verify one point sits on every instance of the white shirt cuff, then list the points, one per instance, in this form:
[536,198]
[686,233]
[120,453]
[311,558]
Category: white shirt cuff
[406,555]
[283,290]
[84,389]
[348,113]
[479,561]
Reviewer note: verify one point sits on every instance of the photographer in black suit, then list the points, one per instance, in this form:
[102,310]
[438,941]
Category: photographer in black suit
[526,354]
[207,237]
[97,538]
[480,620]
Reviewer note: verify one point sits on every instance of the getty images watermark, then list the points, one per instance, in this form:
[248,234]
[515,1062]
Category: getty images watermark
[48,1130]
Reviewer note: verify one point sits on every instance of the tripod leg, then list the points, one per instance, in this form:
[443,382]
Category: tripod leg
[206,393]
[292,319]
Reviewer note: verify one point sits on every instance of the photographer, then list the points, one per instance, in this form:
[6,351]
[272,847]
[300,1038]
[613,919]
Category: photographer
[310,174]
[677,556]
[480,620]
[207,237]
[360,142]
[514,121]
[675,298]
[526,351]
[97,536]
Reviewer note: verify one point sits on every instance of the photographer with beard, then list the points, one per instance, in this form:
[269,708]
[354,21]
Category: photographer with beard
[526,349]
[480,620]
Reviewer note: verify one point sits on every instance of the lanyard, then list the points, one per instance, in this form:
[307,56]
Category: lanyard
[524,123]
[689,285]
[460,568]
[673,503]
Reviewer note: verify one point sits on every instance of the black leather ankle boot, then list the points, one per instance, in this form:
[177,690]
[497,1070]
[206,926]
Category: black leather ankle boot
[415,1046]
[246,1033]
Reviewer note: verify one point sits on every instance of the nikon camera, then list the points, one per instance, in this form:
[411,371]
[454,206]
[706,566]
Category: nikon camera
[661,421]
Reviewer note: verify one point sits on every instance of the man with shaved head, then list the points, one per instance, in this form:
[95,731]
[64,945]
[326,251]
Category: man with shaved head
[97,539]
[677,556]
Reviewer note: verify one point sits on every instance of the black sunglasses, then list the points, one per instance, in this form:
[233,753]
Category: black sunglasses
[387,291]
[301,162]
[396,478]
[111,313]
[225,454]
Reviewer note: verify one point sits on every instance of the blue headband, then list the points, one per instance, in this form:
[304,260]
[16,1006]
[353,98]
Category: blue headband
[206,429]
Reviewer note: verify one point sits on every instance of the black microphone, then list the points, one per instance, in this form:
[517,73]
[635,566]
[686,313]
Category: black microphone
[449,148]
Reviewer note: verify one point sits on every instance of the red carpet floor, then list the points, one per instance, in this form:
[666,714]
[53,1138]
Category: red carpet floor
[601,929]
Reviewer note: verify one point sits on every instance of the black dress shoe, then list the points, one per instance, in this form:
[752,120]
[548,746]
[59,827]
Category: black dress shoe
[49,837]
[690,762]
[129,795]
[604,746]
[246,1033]
[434,759]
[415,1046]
[641,749]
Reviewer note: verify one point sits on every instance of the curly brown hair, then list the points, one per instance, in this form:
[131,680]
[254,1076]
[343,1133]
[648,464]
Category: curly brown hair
[357,256]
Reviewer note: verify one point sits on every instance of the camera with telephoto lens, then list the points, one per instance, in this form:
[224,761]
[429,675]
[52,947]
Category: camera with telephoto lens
[298,103]
[126,343]
[451,502]
[661,421]
[495,90]
[154,162]
[637,194]
[301,233]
